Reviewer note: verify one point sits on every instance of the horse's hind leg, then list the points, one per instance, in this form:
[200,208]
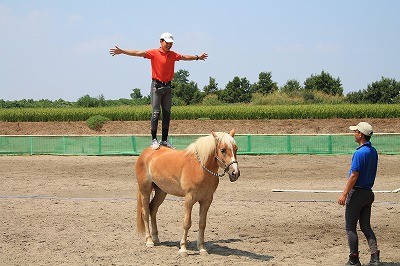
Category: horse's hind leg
[159,197]
[145,192]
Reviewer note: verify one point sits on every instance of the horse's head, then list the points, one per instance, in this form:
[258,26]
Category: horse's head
[226,154]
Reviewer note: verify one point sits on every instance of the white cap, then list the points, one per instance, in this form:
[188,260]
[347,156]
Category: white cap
[364,128]
[166,36]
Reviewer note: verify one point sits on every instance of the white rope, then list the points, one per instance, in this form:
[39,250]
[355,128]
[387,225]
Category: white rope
[328,191]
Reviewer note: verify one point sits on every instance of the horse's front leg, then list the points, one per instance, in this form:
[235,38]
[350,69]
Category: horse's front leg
[204,206]
[187,223]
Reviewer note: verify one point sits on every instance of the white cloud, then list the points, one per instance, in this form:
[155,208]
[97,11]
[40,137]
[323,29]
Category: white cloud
[328,48]
[325,48]
[290,48]
[94,45]
[37,17]
[74,19]
[5,15]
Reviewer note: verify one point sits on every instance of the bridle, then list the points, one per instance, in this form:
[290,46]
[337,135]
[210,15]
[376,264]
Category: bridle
[221,161]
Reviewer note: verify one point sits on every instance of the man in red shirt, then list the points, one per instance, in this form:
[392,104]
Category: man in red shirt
[162,72]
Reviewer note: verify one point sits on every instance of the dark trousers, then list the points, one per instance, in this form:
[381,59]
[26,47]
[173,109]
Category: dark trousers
[358,209]
[161,101]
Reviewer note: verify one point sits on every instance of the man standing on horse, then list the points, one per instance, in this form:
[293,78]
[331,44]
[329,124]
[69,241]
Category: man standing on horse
[162,68]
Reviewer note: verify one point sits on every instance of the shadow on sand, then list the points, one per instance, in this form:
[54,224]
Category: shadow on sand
[216,249]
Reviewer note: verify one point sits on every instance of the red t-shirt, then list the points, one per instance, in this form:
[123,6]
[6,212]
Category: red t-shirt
[162,64]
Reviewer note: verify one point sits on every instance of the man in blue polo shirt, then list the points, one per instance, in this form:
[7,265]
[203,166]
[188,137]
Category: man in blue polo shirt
[358,195]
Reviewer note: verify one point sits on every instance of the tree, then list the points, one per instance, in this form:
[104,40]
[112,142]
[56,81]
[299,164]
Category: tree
[212,86]
[136,94]
[136,98]
[61,103]
[87,101]
[187,91]
[236,91]
[324,82]
[181,76]
[292,85]
[384,91]
[102,100]
[265,84]
[356,97]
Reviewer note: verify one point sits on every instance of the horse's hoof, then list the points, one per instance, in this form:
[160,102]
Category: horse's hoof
[156,241]
[182,253]
[149,245]
[203,252]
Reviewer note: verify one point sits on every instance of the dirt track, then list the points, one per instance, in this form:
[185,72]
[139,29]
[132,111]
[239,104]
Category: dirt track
[81,211]
[288,126]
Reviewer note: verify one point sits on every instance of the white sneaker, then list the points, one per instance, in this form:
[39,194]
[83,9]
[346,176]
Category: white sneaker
[166,144]
[154,144]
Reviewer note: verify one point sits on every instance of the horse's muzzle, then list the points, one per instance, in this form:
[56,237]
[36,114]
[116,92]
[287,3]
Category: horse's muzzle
[234,175]
[233,171]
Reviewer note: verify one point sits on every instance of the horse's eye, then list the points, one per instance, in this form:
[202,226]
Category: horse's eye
[223,150]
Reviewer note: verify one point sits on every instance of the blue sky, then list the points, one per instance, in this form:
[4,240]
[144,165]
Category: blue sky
[52,49]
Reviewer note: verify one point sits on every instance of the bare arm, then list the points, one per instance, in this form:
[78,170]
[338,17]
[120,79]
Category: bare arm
[203,56]
[349,185]
[117,51]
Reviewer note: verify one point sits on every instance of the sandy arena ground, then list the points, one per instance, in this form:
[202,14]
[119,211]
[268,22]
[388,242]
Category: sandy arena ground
[81,211]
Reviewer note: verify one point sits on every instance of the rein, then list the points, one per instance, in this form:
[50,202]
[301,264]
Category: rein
[211,172]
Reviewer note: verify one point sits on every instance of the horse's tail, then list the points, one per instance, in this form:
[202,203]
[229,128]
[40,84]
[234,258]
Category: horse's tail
[140,175]
[139,214]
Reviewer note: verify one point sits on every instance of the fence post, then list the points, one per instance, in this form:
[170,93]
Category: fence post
[31,145]
[134,145]
[330,144]
[289,143]
[99,143]
[64,145]
[248,143]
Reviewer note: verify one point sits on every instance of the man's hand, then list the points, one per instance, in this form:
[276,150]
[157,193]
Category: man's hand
[203,56]
[115,51]
[342,199]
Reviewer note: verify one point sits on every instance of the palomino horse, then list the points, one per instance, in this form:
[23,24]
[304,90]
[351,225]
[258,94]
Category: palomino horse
[191,173]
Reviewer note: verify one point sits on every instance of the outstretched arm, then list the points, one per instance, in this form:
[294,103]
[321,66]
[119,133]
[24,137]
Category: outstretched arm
[117,50]
[203,56]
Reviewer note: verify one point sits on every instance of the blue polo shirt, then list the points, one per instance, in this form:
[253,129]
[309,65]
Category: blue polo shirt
[365,162]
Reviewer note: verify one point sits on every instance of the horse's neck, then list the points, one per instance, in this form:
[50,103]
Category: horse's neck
[211,163]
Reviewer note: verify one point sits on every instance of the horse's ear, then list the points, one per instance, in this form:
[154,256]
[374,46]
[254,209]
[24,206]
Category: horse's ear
[215,136]
[232,133]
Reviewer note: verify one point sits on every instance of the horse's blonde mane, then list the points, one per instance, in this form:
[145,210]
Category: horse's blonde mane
[205,146]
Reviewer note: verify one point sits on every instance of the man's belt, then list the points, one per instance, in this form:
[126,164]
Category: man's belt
[159,83]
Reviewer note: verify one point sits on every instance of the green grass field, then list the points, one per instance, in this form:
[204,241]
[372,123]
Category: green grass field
[222,112]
